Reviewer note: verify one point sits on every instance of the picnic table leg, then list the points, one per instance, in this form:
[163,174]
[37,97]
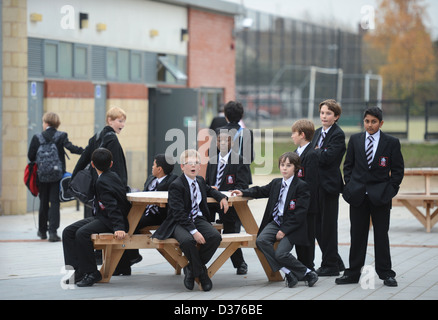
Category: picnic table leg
[224,256]
[111,257]
[415,212]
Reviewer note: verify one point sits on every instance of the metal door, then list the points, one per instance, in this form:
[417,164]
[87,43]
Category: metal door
[172,112]
[35,113]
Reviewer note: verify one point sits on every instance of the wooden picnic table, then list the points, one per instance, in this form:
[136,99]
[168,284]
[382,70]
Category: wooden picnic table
[113,249]
[426,199]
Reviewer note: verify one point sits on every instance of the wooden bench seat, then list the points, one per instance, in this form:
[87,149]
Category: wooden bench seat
[147,230]
[168,248]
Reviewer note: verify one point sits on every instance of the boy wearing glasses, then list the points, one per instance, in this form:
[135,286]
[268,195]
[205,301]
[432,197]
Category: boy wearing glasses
[187,219]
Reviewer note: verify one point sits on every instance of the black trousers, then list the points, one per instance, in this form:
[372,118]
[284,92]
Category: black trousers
[48,214]
[77,244]
[326,229]
[359,230]
[198,258]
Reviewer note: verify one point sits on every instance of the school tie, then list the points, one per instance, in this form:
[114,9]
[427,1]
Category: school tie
[220,172]
[195,207]
[152,208]
[369,151]
[276,211]
[323,134]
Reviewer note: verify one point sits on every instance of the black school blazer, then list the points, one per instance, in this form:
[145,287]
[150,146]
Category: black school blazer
[381,181]
[180,205]
[61,143]
[110,202]
[110,142]
[236,175]
[295,208]
[309,173]
[330,157]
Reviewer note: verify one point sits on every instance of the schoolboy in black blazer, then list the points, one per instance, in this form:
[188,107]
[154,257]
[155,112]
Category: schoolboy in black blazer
[329,145]
[228,172]
[187,219]
[284,220]
[111,210]
[302,135]
[373,173]
[159,180]
[49,191]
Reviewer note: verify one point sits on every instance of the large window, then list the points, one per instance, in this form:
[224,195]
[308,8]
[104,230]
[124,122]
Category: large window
[58,59]
[65,60]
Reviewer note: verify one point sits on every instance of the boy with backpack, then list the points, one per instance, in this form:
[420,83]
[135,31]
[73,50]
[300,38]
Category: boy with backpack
[47,150]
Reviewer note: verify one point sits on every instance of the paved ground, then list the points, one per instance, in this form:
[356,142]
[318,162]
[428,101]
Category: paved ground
[33,269]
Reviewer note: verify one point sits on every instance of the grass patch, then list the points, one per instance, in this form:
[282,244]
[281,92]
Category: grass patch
[416,155]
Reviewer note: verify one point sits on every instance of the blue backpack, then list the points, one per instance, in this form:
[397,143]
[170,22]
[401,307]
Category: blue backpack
[47,159]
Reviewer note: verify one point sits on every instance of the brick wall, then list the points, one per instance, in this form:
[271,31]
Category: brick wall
[211,55]
[14,121]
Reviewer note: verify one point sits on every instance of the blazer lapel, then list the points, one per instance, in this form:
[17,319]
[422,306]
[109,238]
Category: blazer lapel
[361,147]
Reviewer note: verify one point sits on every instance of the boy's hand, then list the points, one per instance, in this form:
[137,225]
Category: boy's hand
[224,204]
[236,193]
[120,234]
[199,238]
[280,235]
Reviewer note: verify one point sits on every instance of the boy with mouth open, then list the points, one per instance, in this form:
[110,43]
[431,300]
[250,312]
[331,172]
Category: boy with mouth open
[188,219]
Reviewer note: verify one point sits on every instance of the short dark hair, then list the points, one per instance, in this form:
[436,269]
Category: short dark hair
[102,158]
[161,161]
[375,112]
[293,157]
[233,111]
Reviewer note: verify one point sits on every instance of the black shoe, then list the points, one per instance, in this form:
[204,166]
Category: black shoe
[42,235]
[90,279]
[189,280]
[205,280]
[291,281]
[327,272]
[243,269]
[346,279]
[53,237]
[390,282]
[137,259]
[311,278]
[126,271]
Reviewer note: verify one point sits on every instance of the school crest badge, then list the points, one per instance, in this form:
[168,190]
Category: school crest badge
[301,173]
[292,204]
[230,179]
[383,161]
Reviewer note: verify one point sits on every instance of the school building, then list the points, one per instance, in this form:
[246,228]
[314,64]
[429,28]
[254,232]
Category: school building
[166,63]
